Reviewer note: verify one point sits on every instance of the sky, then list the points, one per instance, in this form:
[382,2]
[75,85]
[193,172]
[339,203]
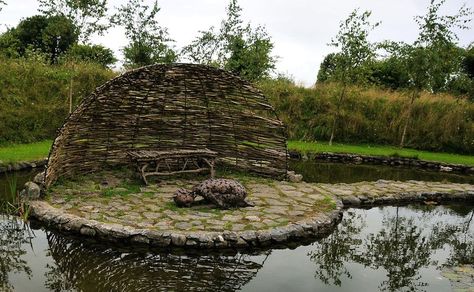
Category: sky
[300,29]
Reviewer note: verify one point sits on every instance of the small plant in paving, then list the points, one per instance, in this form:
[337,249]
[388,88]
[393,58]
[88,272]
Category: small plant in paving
[228,226]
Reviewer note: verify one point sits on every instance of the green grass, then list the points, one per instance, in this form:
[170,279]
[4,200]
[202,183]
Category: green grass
[377,150]
[24,152]
[38,150]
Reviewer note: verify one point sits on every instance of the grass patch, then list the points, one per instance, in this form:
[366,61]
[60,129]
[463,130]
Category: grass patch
[25,152]
[228,226]
[123,189]
[172,207]
[326,204]
[379,150]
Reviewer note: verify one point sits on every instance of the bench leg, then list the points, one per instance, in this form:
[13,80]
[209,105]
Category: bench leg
[211,167]
[143,175]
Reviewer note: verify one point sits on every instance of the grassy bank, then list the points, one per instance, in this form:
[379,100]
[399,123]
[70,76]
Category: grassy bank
[34,96]
[38,150]
[25,152]
[34,103]
[440,123]
[378,150]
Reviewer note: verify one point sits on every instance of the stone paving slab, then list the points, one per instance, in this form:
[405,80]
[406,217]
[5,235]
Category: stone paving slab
[283,211]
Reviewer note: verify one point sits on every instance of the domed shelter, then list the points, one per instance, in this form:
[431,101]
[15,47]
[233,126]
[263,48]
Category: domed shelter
[171,107]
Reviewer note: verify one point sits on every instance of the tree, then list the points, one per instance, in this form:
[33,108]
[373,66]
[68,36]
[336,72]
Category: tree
[434,58]
[388,73]
[92,53]
[468,61]
[148,41]
[356,52]
[87,15]
[327,68]
[235,47]
[438,37]
[2,3]
[50,36]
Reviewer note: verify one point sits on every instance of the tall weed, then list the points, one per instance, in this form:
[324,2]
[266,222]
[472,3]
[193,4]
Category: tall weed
[370,115]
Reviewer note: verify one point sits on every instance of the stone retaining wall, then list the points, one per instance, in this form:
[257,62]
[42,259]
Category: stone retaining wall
[311,227]
[117,233]
[382,160]
[22,165]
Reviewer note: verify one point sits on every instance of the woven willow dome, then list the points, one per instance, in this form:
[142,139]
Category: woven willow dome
[171,107]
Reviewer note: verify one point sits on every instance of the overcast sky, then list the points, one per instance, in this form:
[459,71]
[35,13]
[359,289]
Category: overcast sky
[300,29]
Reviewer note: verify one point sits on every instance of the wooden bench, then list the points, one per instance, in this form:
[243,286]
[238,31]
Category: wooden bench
[164,163]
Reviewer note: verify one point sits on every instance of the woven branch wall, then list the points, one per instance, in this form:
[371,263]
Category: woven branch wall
[171,107]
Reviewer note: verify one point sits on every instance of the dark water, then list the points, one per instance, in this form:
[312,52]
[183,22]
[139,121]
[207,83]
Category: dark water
[327,172]
[11,182]
[388,248]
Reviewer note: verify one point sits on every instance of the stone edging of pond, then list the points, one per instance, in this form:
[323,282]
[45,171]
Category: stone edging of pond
[22,165]
[382,160]
[358,194]
[53,217]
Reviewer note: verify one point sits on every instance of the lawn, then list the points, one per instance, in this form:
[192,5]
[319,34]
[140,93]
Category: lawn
[378,150]
[38,150]
[24,152]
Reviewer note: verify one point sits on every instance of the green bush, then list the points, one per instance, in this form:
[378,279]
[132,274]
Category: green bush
[439,122]
[34,96]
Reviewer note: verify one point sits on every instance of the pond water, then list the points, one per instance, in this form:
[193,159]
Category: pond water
[328,172]
[383,248]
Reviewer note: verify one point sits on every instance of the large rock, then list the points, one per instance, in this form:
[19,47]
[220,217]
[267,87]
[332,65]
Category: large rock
[39,178]
[294,177]
[31,191]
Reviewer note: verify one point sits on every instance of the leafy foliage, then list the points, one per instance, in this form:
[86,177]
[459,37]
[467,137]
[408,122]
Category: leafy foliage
[352,63]
[436,44]
[89,16]
[92,53]
[148,41]
[236,47]
[468,62]
[50,36]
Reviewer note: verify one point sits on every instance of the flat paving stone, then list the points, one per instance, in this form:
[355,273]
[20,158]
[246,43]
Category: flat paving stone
[277,204]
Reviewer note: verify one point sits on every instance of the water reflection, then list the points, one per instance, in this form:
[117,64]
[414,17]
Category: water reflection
[14,234]
[402,245]
[327,172]
[85,267]
[386,248]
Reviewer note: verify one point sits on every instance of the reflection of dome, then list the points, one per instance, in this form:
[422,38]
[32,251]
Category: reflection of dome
[98,268]
[169,107]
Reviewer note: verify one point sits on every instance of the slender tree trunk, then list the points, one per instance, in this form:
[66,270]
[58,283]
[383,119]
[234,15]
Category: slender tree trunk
[70,95]
[407,120]
[338,106]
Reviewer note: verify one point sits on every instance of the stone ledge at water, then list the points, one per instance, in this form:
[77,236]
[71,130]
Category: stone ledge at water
[382,160]
[283,212]
[22,165]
